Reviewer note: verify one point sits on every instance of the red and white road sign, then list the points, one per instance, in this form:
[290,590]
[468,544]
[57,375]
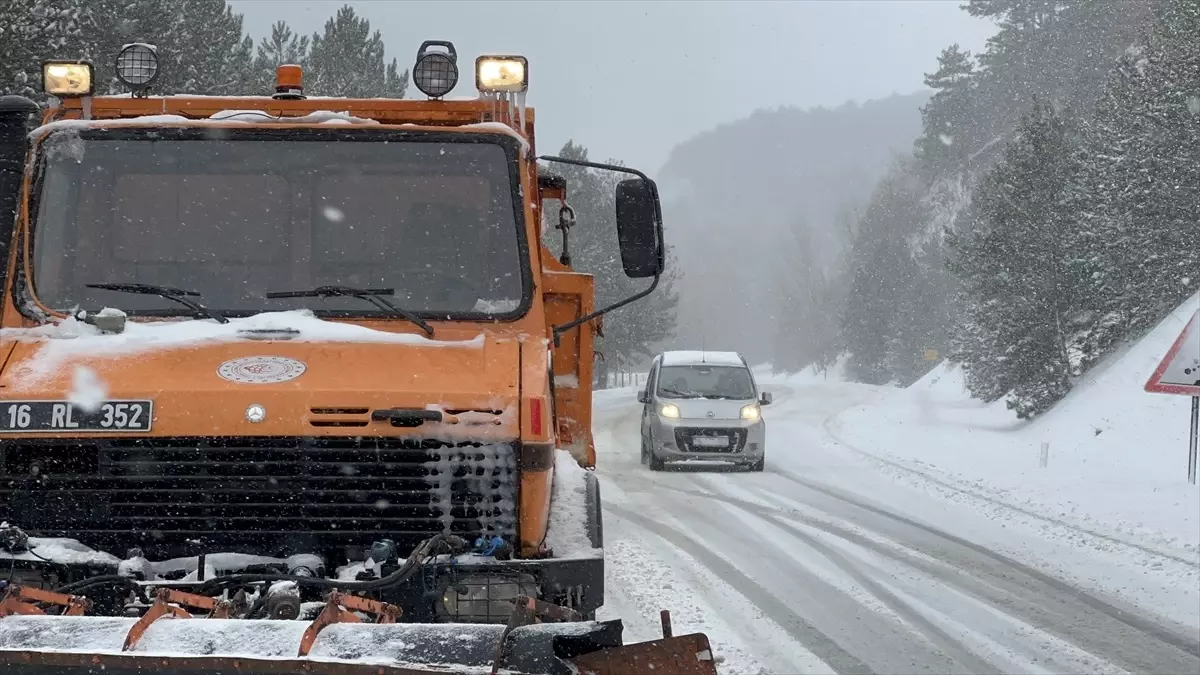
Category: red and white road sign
[1179,372]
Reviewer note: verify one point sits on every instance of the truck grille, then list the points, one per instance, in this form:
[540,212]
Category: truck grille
[685,439]
[271,496]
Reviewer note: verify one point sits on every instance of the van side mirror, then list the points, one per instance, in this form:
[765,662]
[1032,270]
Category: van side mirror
[765,398]
[639,228]
[643,397]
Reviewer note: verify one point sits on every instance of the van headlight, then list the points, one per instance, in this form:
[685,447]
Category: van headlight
[751,412]
[669,410]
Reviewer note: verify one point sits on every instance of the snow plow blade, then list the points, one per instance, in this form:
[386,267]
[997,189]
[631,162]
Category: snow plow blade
[84,645]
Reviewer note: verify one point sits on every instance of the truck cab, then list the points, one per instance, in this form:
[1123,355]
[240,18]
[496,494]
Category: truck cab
[315,331]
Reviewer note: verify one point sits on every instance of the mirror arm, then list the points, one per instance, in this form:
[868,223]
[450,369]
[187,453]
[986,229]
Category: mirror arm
[595,165]
[559,330]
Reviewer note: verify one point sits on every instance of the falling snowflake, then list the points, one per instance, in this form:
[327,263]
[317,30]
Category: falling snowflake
[333,214]
[88,391]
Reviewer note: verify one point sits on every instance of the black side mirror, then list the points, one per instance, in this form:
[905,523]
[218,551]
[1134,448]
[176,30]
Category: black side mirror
[643,397]
[765,398]
[639,228]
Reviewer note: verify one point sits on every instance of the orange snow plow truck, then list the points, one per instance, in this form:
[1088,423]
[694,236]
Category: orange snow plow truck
[292,384]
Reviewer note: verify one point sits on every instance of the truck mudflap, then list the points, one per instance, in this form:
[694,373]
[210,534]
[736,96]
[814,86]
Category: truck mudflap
[83,645]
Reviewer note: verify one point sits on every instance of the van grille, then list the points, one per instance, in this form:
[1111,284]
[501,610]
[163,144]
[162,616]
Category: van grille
[271,496]
[685,439]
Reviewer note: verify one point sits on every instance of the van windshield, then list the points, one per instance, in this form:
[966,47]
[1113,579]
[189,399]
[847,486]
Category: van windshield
[703,381]
[232,215]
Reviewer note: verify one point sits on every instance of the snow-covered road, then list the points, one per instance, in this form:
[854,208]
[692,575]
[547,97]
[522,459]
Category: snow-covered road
[831,561]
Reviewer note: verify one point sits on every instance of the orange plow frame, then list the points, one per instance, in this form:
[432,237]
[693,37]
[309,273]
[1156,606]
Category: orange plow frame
[669,655]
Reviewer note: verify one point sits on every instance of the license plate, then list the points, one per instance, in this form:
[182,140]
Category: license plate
[711,441]
[26,416]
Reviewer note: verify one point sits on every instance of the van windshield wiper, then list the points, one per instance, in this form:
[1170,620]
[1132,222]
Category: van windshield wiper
[371,295]
[176,294]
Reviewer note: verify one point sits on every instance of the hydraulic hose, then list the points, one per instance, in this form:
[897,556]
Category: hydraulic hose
[452,544]
[104,580]
[448,543]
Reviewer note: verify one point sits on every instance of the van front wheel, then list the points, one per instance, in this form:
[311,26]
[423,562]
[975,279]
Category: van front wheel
[656,464]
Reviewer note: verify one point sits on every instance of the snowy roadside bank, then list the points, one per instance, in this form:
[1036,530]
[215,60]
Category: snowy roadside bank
[1116,455]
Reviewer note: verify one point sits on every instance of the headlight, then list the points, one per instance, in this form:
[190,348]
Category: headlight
[435,73]
[751,412]
[67,79]
[669,410]
[485,598]
[501,73]
[137,65]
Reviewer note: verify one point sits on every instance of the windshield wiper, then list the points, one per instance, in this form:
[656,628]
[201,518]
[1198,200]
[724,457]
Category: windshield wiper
[672,392]
[369,294]
[176,294]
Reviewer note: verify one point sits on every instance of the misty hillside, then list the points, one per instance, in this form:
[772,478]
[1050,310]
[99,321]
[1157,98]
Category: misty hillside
[810,162]
[733,192]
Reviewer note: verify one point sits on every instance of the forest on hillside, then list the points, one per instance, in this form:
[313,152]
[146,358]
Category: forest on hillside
[737,197]
[1046,215]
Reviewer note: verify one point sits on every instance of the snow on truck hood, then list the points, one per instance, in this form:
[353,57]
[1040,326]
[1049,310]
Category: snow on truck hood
[287,361]
[57,343]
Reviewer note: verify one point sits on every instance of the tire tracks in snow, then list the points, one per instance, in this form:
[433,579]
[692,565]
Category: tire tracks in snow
[1117,635]
[975,494]
[1028,597]
[967,660]
[768,602]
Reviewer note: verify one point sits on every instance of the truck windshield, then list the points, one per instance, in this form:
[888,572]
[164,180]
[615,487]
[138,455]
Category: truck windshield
[705,382]
[232,215]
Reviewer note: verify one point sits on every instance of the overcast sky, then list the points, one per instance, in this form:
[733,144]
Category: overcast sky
[630,79]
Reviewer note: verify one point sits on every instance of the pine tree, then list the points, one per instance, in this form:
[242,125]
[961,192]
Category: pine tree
[347,60]
[1140,154]
[921,315]
[200,44]
[805,320]
[632,332]
[30,32]
[1015,266]
[210,56]
[947,118]
[880,322]
[980,344]
[283,47]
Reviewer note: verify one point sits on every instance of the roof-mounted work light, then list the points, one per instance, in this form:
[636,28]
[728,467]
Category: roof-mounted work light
[68,78]
[436,72]
[501,74]
[137,65]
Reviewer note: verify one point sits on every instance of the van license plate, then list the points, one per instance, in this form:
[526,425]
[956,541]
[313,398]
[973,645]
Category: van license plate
[711,441]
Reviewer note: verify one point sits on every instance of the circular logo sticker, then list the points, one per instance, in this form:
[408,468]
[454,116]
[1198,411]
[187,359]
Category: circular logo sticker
[261,369]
